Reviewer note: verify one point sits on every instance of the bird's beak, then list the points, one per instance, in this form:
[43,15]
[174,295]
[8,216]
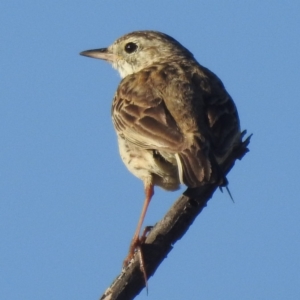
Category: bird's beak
[102,53]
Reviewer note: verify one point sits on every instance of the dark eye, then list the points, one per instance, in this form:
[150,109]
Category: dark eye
[130,47]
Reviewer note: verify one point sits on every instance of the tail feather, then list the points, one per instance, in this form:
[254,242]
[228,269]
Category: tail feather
[194,167]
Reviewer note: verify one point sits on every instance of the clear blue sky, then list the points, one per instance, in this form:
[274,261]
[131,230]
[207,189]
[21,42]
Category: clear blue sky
[68,206]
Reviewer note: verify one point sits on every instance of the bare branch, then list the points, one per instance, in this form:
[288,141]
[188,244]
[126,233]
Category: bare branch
[166,233]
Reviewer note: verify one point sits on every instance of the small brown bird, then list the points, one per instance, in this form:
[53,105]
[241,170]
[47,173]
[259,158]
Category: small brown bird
[174,120]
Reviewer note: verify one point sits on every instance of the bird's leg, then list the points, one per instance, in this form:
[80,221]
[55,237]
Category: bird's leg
[136,242]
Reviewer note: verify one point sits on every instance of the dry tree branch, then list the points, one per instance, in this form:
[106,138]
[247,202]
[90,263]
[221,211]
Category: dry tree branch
[166,233]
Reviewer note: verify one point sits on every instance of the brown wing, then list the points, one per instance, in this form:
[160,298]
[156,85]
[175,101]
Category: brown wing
[221,112]
[140,114]
[163,108]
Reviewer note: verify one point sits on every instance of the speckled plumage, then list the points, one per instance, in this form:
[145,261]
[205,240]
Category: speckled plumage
[174,120]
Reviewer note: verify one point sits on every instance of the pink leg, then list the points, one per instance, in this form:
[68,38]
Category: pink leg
[149,192]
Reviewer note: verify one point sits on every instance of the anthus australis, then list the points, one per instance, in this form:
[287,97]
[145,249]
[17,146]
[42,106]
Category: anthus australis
[174,120]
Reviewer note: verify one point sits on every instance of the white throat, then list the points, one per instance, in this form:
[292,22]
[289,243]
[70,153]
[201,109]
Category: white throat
[123,68]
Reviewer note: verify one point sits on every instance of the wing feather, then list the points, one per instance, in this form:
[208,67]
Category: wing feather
[187,114]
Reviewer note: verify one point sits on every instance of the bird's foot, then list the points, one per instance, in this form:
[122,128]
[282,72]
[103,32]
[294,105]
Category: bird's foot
[136,247]
[136,244]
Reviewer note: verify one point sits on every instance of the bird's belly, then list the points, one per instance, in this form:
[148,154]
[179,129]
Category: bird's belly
[144,164]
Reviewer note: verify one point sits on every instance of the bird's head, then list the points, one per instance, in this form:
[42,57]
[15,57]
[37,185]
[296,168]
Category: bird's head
[140,49]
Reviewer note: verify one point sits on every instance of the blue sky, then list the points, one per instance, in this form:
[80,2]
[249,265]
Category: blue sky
[68,206]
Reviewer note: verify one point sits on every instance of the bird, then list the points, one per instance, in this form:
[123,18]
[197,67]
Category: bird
[175,122]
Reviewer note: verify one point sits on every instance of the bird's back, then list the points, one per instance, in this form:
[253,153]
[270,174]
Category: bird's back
[182,112]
